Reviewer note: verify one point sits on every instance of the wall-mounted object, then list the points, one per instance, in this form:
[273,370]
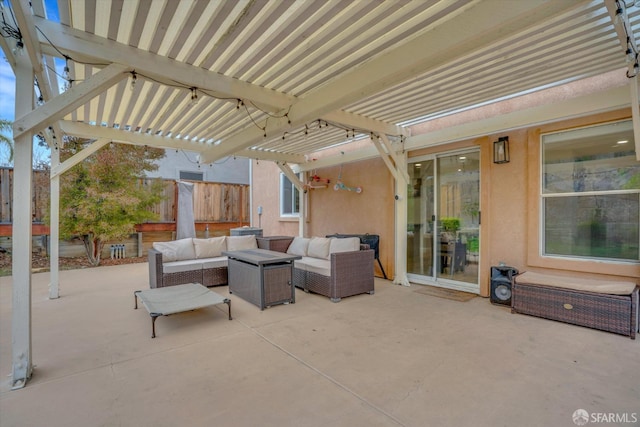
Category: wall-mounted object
[501,150]
[316,182]
[341,185]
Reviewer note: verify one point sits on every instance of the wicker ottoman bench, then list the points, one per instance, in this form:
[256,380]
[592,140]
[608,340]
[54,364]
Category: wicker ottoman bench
[608,306]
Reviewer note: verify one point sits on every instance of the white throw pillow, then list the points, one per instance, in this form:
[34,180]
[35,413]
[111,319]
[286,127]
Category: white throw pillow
[319,247]
[239,243]
[299,246]
[177,250]
[347,244]
[210,248]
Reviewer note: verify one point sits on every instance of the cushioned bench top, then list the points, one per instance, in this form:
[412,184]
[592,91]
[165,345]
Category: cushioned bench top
[176,299]
[578,284]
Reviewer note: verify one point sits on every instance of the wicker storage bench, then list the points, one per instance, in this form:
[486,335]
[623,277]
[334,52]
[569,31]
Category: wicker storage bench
[607,306]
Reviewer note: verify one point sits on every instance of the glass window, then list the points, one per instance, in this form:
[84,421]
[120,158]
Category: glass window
[289,197]
[591,193]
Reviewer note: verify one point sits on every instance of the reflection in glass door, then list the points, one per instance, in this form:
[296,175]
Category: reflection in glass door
[420,221]
[443,239]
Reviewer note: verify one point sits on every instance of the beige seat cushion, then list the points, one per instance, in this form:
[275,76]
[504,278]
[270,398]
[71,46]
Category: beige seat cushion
[181,266]
[217,262]
[347,244]
[314,265]
[319,247]
[240,243]
[176,250]
[210,248]
[299,246]
[578,284]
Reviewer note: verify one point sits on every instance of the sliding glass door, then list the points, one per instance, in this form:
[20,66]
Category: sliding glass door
[443,238]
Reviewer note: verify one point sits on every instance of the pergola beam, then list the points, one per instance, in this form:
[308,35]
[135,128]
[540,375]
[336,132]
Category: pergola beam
[385,158]
[83,130]
[399,162]
[78,157]
[24,18]
[22,13]
[289,173]
[67,102]
[6,49]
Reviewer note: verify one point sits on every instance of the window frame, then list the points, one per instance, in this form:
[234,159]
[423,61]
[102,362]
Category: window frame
[295,193]
[544,194]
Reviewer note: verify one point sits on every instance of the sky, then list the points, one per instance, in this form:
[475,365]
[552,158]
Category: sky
[8,87]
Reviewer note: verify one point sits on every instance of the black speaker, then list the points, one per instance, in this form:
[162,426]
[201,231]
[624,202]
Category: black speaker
[501,280]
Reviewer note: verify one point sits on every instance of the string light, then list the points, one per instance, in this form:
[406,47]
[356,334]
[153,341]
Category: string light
[65,72]
[134,80]
[19,49]
[631,52]
[194,95]
[618,17]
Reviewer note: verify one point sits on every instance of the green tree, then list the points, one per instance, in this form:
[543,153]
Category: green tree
[6,126]
[103,198]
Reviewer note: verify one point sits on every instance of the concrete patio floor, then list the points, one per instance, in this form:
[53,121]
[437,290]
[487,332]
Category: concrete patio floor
[394,358]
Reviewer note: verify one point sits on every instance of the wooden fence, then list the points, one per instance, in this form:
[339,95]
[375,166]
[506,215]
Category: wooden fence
[217,208]
[40,198]
[213,203]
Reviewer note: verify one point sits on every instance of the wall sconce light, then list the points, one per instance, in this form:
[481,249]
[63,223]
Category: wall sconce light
[501,150]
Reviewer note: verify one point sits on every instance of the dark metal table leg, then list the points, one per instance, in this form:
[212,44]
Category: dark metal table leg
[228,302]
[153,324]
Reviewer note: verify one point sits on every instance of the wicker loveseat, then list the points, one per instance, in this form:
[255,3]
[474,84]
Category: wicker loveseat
[333,267]
[194,260]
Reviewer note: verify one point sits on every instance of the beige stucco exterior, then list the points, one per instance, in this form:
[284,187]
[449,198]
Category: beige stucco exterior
[509,204]
[329,211]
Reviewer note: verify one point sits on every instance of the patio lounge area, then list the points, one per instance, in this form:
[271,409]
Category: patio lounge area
[398,357]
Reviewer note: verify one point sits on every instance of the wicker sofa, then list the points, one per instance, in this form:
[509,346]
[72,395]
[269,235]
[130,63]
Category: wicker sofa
[333,267]
[608,306]
[194,260]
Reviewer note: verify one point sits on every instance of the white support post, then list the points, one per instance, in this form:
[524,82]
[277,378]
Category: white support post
[54,228]
[635,113]
[400,277]
[22,365]
[303,209]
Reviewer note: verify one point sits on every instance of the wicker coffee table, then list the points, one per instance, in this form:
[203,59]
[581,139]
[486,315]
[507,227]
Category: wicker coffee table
[261,277]
[177,299]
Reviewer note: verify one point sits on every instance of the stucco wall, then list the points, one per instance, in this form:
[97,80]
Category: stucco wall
[265,185]
[509,230]
[228,170]
[510,194]
[330,211]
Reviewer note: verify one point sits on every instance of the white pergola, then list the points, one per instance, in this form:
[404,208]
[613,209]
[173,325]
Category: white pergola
[280,80]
